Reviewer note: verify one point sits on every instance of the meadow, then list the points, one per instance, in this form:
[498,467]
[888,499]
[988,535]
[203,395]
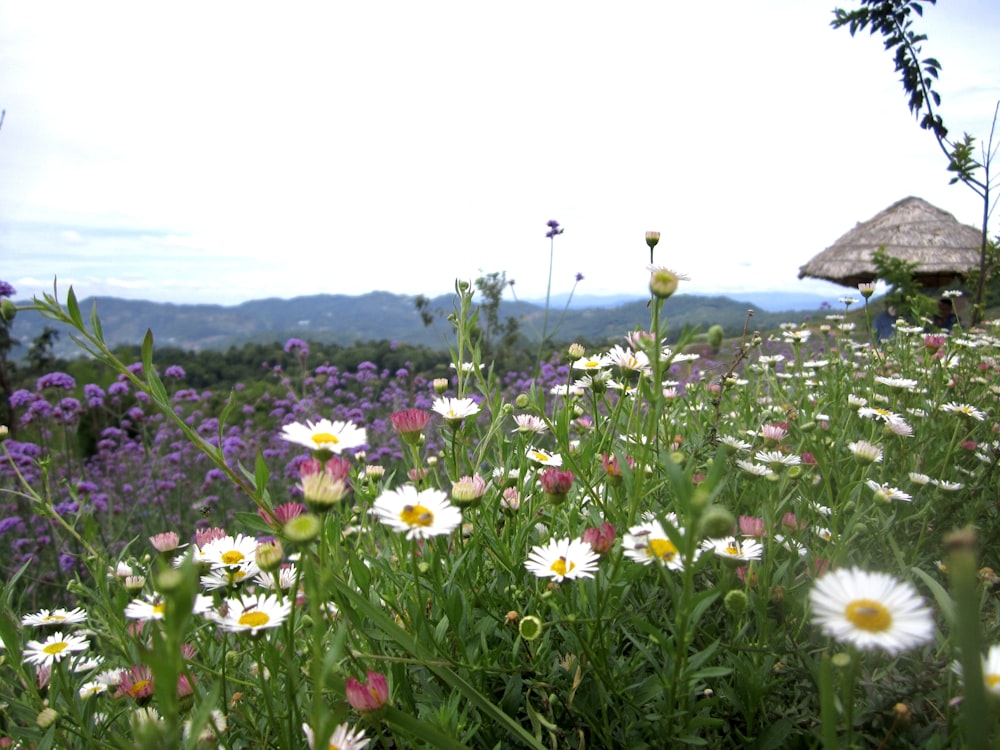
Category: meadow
[790,543]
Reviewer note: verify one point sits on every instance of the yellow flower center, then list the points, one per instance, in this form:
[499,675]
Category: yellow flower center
[540,457]
[325,438]
[160,609]
[663,549]
[232,557]
[55,648]
[869,615]
[254,619]
[138,687]
[992,680]
[416,515]
[591,363]
[733,548]
[559,566]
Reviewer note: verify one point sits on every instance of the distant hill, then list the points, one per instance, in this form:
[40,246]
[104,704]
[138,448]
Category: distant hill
[767,301]
[343,319]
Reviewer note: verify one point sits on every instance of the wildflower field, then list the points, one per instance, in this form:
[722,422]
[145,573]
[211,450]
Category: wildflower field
[789,545]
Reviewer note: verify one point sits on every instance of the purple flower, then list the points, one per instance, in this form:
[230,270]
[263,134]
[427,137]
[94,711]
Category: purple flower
[297,346]
[554,229]
[579,277]
[55,380]
[6,290]
[21,397]
[174,371]
[94,395]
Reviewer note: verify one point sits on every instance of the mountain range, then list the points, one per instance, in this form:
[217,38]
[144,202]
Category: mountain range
[346,319]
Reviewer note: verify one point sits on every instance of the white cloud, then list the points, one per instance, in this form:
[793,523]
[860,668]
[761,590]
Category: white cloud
[234,151]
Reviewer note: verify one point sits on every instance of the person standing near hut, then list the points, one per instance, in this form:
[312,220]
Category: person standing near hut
[945,319]
[885,323]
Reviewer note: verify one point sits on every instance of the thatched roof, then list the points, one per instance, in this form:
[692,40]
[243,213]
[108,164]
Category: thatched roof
[911,229]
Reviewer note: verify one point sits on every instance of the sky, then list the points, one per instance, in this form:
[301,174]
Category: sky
[229,151]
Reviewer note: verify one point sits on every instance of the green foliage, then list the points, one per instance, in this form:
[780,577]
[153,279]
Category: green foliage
[905,293]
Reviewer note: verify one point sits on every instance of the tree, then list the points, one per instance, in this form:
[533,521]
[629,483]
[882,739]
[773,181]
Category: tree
[893,19]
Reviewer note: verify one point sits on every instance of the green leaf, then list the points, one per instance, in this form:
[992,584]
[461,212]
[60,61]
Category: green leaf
[945,602]
[95,323]
[261,474]
[147,351]
[73,308]
[411,727]
[361,606]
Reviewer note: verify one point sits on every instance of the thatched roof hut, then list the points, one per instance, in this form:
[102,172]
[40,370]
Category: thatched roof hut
[912,229]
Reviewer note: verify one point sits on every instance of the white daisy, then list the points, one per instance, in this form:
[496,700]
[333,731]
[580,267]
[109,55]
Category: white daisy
[324,435]
[777,459]
[455,409]
[529,423]
[230,577]
[420,514]
[563,559]
[966,409]
[54,648]
[906,384]
[253,613]
[757,470]
[561,389]
[991,670]
[734,443]
[648,542]
[343,738]
[871,611]
[918,478]
[627,360]
[733,549]
[92,688]
[154,608]
[865,451]
[229,551]
[886,493]
[543,457]
[54,617]
[597,362]
[883,415]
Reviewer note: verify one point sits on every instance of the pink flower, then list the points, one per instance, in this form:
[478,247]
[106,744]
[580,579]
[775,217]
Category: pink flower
[204,536]
[600,539]
[410,423]
[556,482]
[283,513]
[168,541]
[933,341]
[752,526]
[776,432]
[370,696]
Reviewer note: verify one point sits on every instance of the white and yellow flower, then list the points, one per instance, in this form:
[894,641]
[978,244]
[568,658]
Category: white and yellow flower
[419,513]
[563,559]
[871,611]
[325,436]
[54,648]
[252,614]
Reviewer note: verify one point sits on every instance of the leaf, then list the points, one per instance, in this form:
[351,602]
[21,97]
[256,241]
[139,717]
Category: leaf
[95,323]
[73,308]
[944,600]
[147,351]
[360,606]
[261,474]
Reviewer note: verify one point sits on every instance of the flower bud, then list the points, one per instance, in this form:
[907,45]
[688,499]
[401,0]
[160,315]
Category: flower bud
[302,528]
[530,628]
[736,601]
[652,239]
